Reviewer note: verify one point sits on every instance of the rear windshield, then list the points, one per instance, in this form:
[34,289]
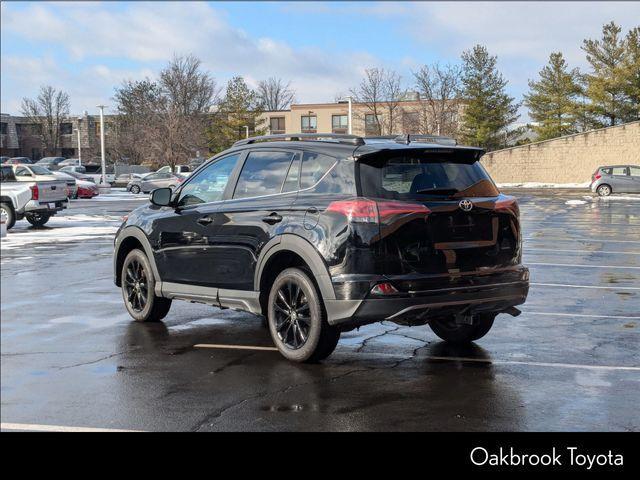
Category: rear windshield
[424,177]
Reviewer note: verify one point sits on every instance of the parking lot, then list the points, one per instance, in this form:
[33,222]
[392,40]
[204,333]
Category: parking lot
[72,358]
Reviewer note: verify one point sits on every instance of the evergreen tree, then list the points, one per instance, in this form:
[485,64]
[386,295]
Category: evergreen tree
[553,100]
[606,84]
[488,111]
[240,108]
[631,74]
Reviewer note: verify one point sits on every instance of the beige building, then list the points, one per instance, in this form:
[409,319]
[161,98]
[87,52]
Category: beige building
[409,116]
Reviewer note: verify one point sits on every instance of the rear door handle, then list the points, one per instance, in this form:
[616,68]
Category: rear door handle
[272,218]
[206,220]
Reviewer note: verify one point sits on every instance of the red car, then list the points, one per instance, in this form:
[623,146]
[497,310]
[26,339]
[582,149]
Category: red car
[86,189]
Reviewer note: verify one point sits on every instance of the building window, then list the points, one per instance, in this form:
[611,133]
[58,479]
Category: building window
[411,122]
[3,128]
[66,128]
[277,125]
[371,126]
[308,124]
[339,123]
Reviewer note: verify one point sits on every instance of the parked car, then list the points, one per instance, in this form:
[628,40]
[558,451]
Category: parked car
[69,162]
[50,162]
[87,189]
[72,187]
[616,179]
[37,201]
[74,168]
[78,175]
[19,160]
[124,179]
[324,233]
[95,170]
[154,180]
[3,160]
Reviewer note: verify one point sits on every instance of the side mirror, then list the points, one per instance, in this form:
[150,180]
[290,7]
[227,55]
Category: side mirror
[161,197]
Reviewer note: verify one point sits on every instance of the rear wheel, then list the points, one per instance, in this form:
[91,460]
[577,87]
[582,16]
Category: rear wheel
[297,320]
[450,331]
[37,219]
[138,289]
[7,209]
[604,190]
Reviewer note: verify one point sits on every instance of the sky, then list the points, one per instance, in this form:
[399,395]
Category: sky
[323,48]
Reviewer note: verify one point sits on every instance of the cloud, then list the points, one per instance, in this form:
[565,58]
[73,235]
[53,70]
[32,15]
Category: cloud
[150,34]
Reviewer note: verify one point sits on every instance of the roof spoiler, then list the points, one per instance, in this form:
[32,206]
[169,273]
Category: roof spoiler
[410,138]
[455,154]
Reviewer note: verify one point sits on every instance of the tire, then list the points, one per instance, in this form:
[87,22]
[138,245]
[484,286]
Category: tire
[604,190]
[7,208]
[135,189]
[448,330]
[37,219]
[138,287]
[297,319]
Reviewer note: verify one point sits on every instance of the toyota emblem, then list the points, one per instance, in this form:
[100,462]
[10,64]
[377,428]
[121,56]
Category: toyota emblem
[466,205]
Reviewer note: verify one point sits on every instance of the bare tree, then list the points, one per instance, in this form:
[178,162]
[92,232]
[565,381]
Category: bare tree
[439,88]
[380,92]
[165,121]
[274,94]
[48,110]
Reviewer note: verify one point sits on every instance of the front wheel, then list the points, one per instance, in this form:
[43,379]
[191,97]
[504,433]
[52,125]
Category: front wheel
[138,289]
[450,331]
[297,319]
[604,190]
[135,189]
[37,219]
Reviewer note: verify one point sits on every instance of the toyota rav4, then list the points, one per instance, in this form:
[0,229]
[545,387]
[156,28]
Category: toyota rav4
[323,234]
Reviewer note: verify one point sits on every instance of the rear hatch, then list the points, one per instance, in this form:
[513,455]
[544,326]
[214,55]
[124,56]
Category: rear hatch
[439,214]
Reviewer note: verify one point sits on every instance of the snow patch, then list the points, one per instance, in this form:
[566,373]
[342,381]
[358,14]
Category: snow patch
[543,185]
[575,202]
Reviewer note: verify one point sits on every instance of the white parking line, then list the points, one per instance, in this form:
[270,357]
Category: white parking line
[586,315]
[575,239]
[451,359]
[530,249]
[234,347]
[56,428]
[579,266]
[583,286]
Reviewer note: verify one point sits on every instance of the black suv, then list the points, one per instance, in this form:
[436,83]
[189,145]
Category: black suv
[322,234]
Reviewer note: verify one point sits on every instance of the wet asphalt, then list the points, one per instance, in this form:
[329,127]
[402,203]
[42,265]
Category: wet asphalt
[571,361]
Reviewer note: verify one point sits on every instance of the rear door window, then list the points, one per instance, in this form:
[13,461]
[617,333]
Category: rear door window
[314,167]
[263,173]
[424,177]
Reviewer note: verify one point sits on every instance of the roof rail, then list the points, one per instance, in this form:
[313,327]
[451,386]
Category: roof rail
[309,137]
[407,139]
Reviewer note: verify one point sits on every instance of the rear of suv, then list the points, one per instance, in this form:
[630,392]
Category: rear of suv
[323,234]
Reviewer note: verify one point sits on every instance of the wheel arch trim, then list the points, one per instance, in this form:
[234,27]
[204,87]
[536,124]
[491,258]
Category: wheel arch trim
[139,235]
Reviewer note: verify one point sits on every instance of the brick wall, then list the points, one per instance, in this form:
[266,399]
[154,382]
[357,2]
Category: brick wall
[568,159]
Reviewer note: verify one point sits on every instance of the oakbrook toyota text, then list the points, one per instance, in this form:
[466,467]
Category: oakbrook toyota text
[572,457]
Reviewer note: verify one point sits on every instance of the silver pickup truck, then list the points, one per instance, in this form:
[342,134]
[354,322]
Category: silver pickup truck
[35,201]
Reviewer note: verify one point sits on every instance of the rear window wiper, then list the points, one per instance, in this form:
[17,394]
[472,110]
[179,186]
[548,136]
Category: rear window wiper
[438,191]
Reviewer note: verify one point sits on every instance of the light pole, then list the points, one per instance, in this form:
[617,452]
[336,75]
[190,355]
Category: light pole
[350,115]
[246,131]
[79,145]
[103,184]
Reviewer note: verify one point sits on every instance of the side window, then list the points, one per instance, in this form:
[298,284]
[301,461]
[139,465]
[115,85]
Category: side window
[635,171]
[619,171]
[21,172]
[292,183]
[209,183]
[606,171]
[263,173]
[314,166]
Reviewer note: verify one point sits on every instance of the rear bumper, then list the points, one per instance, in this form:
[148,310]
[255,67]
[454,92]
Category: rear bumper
[493,293]
[35,206]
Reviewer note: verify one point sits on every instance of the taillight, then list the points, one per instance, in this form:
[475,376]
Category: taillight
[369,211]
[597,176]
[508,203]
[180,179]
[35,193]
